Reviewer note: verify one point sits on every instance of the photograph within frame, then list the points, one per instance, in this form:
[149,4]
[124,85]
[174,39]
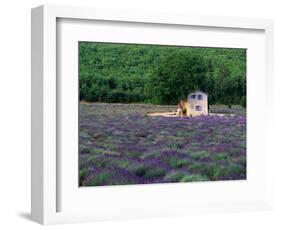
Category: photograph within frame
[161,114]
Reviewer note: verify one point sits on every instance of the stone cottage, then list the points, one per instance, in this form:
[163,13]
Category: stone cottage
[197,104]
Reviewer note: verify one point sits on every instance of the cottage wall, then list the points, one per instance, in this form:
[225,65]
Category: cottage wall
[195,106]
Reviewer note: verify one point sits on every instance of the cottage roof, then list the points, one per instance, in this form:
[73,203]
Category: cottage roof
[198,91]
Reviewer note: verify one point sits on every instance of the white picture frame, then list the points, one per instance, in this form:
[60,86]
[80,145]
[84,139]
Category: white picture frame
[47,180]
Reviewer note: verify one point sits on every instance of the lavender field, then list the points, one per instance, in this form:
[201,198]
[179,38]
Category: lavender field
[119,144]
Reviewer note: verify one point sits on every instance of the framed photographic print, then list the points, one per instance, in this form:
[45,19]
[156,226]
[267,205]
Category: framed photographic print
[140,114]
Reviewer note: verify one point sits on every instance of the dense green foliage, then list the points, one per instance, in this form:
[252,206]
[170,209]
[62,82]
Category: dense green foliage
[160,74]
[243,101]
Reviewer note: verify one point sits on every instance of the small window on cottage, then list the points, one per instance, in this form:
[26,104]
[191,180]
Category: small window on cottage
[200,97]
[198,108]
[193,96]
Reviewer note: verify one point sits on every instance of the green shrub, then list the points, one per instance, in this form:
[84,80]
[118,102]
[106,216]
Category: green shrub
[174,176]
[197,166]
[175,146]
[193,178]
[216,172]
[82,175]
[221,157]
[200,155]
[154,172]
[149,172]
[84,149]
[177,163]
[237,169]
[99,179]
[140,171]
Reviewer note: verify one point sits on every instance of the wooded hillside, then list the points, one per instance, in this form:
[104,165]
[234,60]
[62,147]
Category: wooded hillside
[160,74]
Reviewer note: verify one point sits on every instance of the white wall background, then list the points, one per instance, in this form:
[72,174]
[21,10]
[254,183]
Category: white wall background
[15,112]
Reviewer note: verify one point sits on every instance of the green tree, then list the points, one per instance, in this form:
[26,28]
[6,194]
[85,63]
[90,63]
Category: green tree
[176,76]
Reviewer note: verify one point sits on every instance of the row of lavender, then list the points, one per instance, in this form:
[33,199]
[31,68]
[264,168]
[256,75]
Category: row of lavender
[120,145]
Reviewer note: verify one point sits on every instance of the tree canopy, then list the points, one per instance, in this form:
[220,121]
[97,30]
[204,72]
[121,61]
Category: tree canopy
[160,74]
